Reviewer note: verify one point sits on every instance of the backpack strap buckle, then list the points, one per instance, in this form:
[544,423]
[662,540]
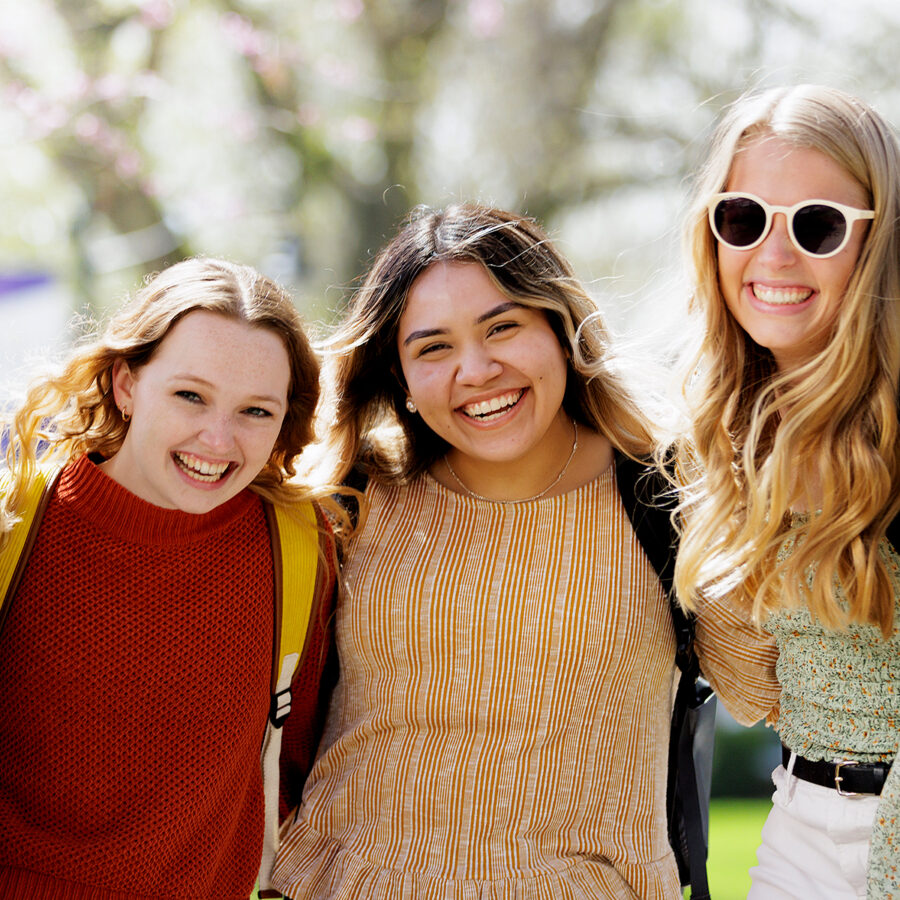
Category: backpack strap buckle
[280,707]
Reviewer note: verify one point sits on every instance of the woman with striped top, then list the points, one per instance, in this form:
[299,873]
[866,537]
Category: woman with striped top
[499,729]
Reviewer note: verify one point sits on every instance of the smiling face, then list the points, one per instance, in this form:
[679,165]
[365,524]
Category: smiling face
[487,374]
[205,413]
[784,299]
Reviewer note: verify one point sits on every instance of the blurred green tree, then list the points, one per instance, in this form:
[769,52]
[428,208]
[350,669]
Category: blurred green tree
[294,134]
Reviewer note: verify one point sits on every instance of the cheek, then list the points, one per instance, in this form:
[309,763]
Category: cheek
[836,278]
[260,442]
[423,382]
[555,367]
[729,269]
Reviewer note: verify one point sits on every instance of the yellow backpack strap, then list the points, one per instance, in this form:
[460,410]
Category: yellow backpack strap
[295,552]
[17,549]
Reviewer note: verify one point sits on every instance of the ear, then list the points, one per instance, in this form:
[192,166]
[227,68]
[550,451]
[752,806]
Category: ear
[123,382]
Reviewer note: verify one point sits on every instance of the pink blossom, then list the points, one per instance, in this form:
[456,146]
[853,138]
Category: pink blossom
[349,10]
[486,17]
[111,88]
[239,31]
[50,118]
[357,128]
[76,88]
[157,14]
[128,164]
[309,114]
[336,71]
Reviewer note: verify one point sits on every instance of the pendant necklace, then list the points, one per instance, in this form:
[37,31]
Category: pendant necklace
[549,487]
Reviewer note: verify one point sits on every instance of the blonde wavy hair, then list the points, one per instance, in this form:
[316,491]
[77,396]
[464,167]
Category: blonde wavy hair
[827,435]
[371,427]
[73,412]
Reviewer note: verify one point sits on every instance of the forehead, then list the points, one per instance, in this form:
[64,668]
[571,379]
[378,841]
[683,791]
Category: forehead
[783,172]
[220,348]
[450,289]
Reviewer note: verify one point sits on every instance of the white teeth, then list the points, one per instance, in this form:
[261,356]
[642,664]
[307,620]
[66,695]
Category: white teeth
[200,468]
[495,404]
[781,296]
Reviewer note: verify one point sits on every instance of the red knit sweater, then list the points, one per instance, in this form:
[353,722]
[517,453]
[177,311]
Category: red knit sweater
[135,663]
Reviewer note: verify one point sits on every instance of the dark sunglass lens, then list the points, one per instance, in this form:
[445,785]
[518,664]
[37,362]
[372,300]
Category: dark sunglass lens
[819,229]
[739,221]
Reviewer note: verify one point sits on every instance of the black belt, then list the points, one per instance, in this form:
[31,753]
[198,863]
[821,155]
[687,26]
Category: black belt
[846,777]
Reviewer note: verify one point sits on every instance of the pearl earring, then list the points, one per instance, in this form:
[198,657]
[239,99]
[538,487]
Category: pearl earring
[410,405]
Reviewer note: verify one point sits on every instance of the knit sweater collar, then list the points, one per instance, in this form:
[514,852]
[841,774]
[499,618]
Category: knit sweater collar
[90,494]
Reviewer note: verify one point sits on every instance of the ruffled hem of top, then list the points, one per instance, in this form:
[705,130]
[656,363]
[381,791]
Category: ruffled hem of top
[315,867]
[861,745]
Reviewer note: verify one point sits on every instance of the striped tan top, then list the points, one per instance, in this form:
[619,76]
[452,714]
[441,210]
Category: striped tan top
[500,725]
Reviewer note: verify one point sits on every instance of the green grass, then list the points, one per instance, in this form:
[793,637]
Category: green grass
[734,827]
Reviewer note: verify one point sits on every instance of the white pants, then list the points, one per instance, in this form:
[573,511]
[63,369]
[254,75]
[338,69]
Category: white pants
[815,843]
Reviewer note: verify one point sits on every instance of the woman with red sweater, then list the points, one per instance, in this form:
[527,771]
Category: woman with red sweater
[136,647]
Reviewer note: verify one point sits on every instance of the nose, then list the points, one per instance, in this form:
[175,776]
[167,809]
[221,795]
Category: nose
[218,433]
[477,365]
[777,249]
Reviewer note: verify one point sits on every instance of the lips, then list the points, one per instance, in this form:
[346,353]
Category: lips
[200,469]
[780,296]
[485,410]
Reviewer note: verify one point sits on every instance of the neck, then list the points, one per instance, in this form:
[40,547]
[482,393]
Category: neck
[540,473]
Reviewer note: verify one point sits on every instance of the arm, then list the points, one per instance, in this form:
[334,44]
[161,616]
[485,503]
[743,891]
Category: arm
[739,660]
[736,657]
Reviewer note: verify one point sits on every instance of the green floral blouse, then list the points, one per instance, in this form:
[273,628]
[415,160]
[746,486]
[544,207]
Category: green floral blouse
[840,699]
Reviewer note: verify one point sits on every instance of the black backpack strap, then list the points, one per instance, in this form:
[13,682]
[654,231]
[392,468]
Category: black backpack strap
[649,500]
[893,533]
[356,479]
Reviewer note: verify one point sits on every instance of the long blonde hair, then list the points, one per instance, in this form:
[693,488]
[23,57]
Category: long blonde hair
[364,368]
[828,433]
[73,412]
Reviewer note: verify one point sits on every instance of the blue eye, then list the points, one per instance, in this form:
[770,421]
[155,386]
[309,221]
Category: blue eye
[190,396]
[257,412]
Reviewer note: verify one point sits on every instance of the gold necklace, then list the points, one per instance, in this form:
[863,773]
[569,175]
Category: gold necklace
[552,484]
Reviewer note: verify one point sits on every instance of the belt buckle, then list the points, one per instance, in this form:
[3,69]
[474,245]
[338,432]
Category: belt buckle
[838,778]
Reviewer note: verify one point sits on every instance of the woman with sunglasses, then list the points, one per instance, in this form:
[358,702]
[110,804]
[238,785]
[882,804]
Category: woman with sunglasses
[507,657]
[792,469]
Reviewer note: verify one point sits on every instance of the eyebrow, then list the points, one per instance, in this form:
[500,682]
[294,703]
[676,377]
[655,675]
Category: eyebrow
[498,310]
[196,379]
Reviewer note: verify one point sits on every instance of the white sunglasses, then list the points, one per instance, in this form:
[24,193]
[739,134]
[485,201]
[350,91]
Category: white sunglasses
[819,228]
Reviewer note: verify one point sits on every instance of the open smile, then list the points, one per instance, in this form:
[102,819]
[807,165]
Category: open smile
[487,410]
[200,469]
[781,296]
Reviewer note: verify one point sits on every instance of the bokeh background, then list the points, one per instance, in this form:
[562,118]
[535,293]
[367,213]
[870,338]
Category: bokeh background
[295,135]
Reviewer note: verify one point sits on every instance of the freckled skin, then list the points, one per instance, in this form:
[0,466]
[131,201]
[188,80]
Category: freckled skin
[214,391]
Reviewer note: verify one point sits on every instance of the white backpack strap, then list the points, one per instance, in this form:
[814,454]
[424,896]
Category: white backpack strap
[295,552]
